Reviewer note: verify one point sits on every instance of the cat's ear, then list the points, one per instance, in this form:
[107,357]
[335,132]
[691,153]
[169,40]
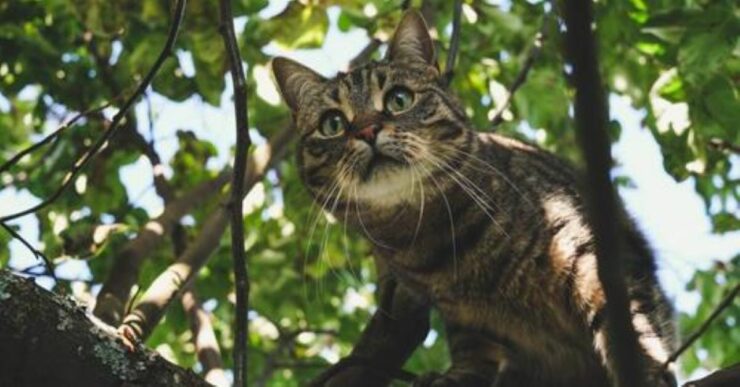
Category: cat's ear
[411,40]
[294,80]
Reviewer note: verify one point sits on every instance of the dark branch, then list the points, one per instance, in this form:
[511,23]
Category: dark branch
[521,77]
[591,115]
[366,53]
[38,254]
[117,119]
[243,142]
[726,302]
[724,145]
[728,377]
[47,340]
[15,159]
[170,284]
[454,43]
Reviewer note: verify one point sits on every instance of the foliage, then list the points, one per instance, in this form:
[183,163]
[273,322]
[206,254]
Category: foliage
[679,61]
[717,348]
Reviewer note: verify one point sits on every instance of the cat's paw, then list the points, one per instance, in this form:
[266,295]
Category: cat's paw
[451,379]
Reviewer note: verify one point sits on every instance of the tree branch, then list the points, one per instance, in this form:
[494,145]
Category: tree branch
[206,345]
[47,340]
[125,271]
[366,53]
[454,43]
[723,145]
[51,136]
[591,115]
[521,77]
[726,302]
[38,254]
[168,285]
[117,119]
[243,142]
[728,377]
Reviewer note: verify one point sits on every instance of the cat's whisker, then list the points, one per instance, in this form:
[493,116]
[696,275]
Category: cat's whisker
[480,202]
[338,177]
[346,182]
[443,164]
[362,223]
[475,160]
[449,214]
[414,171]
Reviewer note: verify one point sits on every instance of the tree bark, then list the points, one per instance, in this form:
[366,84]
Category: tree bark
[728,377]
[48,340]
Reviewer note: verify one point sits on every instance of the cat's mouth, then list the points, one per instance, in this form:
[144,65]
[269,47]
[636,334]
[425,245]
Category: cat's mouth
[380,162]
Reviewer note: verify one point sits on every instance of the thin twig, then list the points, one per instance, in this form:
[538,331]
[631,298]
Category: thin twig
[51,136]
[726,302]
[724,145]
[454,42]
[117,119]
[366,53]
[591,116]
[243,142]
[38,254]
[521,77]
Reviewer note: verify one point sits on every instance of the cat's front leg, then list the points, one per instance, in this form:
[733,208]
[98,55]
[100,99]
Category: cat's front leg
[476,361]
[398,326]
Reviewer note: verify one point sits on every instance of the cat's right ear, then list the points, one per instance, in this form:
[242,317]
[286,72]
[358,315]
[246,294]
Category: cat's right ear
[294,80]
[411,41]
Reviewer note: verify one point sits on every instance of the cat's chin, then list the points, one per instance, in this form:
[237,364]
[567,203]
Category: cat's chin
[389,184]
[380,165]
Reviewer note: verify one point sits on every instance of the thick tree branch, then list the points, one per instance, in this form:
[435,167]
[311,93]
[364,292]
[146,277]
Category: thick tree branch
[236,209]
[204,338]
[125,271]
[47,340]
[206,345]
[168,285]
[591,115]
[729,377]
[117,119]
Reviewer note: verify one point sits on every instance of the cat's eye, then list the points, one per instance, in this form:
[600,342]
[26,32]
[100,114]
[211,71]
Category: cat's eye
[333,123]
[398,100]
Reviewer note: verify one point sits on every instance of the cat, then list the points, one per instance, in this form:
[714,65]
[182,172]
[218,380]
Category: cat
[488,230]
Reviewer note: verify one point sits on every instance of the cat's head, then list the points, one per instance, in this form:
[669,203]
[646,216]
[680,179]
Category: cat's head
[373,133]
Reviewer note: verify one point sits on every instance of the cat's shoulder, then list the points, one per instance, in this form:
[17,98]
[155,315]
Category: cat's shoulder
[495,140]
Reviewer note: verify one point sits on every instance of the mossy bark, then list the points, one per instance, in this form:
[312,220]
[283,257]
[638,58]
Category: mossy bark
[49,340]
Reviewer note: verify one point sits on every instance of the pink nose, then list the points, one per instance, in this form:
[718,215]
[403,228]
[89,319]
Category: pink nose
[367,133]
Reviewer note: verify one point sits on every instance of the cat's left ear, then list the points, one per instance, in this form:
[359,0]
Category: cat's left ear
[294,80]
[412,41]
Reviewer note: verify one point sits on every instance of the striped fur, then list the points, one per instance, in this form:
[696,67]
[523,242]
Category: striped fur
[488,230]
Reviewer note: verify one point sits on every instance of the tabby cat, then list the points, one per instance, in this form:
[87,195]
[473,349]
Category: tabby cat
[488,230]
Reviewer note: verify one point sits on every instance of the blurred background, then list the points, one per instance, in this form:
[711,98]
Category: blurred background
[671,68]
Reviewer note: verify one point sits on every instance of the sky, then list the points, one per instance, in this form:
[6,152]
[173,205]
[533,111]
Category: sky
[671,214]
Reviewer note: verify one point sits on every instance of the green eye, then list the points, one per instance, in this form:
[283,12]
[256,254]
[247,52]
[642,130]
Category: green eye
[333,123]
[398,99]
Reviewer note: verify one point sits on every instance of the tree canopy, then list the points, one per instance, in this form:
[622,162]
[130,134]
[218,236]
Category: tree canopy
[312,283]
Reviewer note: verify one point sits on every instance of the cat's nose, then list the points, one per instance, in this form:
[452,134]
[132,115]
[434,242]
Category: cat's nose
[368,133]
